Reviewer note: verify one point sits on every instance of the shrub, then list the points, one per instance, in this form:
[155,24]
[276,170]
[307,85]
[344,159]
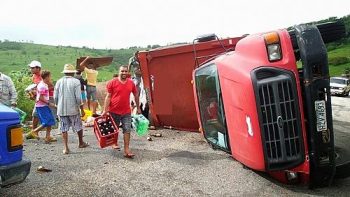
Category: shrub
[22,80]
[338,60]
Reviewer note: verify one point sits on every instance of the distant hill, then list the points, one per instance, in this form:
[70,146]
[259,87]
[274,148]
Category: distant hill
[17,55]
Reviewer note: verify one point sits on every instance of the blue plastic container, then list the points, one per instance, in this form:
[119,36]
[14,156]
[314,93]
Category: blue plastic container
[8,118]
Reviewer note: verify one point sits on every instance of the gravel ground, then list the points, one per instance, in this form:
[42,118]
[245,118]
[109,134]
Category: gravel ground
[177,164]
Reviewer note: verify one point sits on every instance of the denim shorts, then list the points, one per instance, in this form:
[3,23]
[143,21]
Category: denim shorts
[73,121]
[91,92]
[125,120]
[83,95]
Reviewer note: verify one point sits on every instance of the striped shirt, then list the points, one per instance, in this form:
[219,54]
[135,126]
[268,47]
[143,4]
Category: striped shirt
[8,94]
[67,96]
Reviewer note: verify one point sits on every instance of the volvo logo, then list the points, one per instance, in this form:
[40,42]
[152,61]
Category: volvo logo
[280,122]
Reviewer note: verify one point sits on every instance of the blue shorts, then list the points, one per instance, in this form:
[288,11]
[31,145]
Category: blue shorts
[45,116]
[125,120]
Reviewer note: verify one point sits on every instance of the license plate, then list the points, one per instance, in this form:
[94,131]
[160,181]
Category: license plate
[321,118]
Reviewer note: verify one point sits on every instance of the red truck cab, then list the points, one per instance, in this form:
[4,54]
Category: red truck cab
[271,116]
[259,103]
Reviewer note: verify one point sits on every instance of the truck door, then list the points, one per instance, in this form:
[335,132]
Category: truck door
[211,106]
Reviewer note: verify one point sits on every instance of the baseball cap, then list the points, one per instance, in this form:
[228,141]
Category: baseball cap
[34,63]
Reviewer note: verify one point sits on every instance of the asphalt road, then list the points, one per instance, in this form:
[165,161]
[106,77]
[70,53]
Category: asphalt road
[177,164]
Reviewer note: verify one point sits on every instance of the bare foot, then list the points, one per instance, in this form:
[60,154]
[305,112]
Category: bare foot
[115,147]
[83,145]
[66,151]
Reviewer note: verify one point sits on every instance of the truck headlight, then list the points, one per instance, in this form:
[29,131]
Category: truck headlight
[274,52]
[273,46]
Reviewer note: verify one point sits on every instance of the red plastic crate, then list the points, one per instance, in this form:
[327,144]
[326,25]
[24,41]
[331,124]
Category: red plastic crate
[109,139]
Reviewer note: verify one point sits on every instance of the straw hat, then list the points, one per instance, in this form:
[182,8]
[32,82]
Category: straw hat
[69,68]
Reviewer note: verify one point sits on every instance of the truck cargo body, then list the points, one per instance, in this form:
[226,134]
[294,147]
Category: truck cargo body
[167,76]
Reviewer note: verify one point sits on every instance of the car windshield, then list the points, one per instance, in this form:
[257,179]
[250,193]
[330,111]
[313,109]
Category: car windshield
[339,81]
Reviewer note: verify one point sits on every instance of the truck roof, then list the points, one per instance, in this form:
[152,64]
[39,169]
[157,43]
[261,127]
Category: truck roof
[6,113]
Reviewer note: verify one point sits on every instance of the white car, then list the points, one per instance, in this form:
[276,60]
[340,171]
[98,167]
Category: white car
[340,86]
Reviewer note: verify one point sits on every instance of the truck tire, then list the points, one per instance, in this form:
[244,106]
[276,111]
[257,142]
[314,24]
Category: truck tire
[330,32]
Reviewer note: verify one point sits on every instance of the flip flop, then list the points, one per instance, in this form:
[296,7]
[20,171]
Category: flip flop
[32,135]
[84,145]
[129,156]
[51,139]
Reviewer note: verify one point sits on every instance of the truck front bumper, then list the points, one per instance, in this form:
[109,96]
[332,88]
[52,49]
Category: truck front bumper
[15,172]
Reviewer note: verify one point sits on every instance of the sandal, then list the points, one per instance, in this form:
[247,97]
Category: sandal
[84,145]
[51,139]
[129,156]
[32,135]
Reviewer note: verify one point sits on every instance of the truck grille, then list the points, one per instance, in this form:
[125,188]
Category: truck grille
[279,117]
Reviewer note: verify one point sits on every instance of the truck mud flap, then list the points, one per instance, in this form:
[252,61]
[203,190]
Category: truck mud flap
[317,105]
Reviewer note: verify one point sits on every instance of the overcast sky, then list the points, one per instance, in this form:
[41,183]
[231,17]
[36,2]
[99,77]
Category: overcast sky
[123,23]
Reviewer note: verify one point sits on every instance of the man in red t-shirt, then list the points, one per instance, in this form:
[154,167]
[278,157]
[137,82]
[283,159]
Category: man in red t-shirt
[117,103]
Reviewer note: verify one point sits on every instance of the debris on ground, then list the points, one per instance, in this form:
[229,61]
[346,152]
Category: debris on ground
[43,169]
[157,135]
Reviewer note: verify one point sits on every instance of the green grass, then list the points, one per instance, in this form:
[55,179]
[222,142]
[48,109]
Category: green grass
[342,50]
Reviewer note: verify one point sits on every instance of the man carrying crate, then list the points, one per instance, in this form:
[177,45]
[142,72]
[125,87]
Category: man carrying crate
[117,103]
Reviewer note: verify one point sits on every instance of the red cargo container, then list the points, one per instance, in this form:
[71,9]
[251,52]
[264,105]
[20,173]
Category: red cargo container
[167,75]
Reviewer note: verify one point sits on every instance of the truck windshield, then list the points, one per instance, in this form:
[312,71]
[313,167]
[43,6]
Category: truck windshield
[211,106]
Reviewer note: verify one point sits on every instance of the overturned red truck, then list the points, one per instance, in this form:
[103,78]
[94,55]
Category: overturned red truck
[249,98]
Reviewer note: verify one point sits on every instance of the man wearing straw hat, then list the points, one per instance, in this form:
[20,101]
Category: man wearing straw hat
[67,97]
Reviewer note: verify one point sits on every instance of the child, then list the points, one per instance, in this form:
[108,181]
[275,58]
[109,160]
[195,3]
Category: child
[82,84]
[42,105]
